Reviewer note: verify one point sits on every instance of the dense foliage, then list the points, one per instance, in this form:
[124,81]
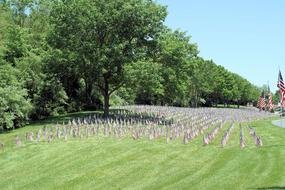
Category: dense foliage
[65,55]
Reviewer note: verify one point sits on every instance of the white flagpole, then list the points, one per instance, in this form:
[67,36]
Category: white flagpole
[281,115]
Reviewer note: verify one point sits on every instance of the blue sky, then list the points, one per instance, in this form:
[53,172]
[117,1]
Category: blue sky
[245,36]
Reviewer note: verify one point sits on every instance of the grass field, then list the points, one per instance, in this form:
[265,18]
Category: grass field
[109,163]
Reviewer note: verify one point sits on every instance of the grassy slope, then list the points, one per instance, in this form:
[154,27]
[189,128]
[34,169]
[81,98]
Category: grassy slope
[109,163]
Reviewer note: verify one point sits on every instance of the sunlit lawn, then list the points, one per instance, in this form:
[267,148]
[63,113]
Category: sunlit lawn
[110,163]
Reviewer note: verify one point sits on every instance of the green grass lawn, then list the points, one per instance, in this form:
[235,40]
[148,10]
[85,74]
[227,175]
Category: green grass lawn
[110,163]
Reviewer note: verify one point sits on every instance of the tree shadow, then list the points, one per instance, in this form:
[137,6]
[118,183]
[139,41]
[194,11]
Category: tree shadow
[120,115]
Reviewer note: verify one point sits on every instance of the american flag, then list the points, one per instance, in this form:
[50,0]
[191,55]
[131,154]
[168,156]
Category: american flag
[270,104]
[281,87]
[261,102]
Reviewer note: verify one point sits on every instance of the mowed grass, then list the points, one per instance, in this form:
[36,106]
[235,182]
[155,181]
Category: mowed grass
[110,163]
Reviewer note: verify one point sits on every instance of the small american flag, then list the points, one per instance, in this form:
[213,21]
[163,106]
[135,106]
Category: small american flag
[281,87]
[261,102]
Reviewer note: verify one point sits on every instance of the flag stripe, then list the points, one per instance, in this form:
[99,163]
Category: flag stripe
[281,86]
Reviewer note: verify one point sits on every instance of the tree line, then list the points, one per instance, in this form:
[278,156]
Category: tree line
[63,56]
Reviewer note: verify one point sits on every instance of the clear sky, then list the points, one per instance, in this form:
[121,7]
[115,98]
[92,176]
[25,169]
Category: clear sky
[245,36]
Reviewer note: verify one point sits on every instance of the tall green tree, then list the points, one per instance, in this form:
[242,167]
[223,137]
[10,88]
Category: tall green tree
[101,37]
[176,55]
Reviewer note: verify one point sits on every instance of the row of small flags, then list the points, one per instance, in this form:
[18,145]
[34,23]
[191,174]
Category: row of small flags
[264,104]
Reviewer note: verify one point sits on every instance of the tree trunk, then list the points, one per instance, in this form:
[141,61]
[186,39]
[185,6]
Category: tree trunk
[106,105]
[106,99]
[88,93]
[196,98]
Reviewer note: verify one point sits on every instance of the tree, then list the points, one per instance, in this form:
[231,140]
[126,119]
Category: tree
[5,22]
[51,99]
[15,46]
[101,37]
[202,84]
[176,55]
[146,82]
[25,49]
[276,97]
[66,55]
[14,105]
[20,8]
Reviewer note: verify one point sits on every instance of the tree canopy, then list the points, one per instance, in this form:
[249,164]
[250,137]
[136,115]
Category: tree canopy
[63,56]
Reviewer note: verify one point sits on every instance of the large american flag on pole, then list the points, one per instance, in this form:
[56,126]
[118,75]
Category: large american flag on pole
[270,104]
[281,87]
[261,102]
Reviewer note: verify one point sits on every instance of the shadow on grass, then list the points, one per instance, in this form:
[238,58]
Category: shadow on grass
[66,117]
[57,119]
[267,188]
[274,145]
[113,114]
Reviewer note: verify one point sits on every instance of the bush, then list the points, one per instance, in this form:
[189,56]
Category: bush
[51,100]
[14,105]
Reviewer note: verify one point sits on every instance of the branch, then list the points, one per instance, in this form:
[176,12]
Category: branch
[116,88]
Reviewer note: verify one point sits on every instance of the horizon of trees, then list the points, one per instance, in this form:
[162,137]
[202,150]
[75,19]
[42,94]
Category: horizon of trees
[64,56]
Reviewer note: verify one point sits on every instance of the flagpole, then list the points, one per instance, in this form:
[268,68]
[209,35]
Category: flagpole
[281,116]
